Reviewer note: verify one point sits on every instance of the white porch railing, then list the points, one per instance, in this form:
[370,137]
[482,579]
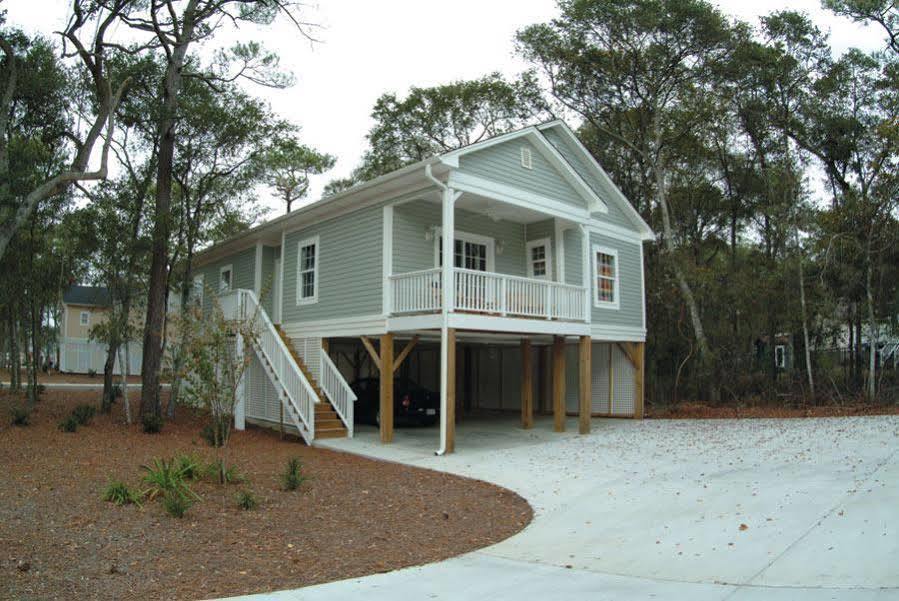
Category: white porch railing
[416,291]
[338,391]
[487,292]
[293,388]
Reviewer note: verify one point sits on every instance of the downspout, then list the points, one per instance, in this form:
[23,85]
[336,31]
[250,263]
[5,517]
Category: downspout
[444,326]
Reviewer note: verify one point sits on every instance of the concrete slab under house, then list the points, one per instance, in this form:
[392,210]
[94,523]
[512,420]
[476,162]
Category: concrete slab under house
[506,277]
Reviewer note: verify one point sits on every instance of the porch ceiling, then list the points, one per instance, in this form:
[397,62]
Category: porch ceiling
[492,208]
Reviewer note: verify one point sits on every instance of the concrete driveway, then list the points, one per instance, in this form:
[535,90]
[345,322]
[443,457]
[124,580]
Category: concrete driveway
[716,509]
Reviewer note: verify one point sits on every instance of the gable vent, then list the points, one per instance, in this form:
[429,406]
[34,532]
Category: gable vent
[526,159]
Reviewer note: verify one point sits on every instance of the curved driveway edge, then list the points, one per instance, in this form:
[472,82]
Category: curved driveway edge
[668,509]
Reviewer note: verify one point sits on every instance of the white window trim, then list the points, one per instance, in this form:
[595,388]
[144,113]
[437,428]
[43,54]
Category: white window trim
[616,303]
[309,300]
[546,243]
[782,363]
[487,241]
[228,268]
[84,318]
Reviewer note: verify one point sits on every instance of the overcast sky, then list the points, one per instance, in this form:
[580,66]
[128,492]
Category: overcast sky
[367,48]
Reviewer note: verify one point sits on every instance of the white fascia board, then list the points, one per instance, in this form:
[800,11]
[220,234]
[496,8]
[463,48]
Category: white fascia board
[635,216]
[614,231]
[516,196]
[490,323]
[609,333]
[362,325]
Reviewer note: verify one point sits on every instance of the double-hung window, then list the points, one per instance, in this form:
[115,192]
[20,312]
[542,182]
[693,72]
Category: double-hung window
[605,277]
[84,318]
[539,259]
[307,271]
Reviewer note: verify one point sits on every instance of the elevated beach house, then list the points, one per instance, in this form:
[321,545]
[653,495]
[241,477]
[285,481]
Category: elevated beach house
[507,274]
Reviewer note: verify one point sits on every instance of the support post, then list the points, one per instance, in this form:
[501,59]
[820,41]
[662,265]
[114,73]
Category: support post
[386,404]
[450,390]
[240,407]
[584,397]
[326,346]
[639,360]
[527,386]
[559,384]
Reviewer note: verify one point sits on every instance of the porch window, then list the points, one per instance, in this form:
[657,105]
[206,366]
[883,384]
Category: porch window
[469,252]
[539,259]
[605,270]
[307,271]
[226,276]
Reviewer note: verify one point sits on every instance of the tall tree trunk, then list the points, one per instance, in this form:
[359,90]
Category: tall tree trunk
[686,291]
[859,376]
[805,338]
[108,374]
[871,391]
[156,296]
[125,359]
[35,353]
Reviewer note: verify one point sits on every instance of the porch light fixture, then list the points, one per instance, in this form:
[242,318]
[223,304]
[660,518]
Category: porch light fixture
[430,232]
[498,247]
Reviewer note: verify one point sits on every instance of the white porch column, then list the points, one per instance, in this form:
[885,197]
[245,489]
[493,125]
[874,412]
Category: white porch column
[448,289]
[240,406]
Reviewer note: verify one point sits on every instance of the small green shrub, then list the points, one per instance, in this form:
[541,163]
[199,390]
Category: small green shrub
[92,373]
[152,424]
[190,466]
[225,474]
[208,434]
[293,476]
[246,500]
[20,416]
[119,493]
[83,414]
[165,476]
[69,424]
[116,391]
[176,504]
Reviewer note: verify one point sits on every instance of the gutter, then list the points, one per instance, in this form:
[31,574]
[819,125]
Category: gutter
[444,334]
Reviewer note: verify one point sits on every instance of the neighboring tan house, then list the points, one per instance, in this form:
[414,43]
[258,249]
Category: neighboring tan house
[539,305]
[83,307]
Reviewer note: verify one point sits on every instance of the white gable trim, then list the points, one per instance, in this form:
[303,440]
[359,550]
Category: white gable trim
[646,232]
[594,203]
[516,196]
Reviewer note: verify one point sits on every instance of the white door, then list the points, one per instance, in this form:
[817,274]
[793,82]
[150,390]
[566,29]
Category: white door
[276,288]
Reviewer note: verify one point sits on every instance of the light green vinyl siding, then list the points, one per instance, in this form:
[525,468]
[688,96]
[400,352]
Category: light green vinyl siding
[630,306]
[243,274]
[349,267]
[411,252]
[574,256]
[578,162]
[267,282]
[502,163]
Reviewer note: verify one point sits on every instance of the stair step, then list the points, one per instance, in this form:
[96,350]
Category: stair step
[329,424]
[330,433]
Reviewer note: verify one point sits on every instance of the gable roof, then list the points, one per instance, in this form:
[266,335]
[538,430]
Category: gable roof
[604,186]
[595,204]
[96,296]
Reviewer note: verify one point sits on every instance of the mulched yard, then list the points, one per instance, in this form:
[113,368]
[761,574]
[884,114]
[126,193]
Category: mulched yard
[692,410]
[355,516]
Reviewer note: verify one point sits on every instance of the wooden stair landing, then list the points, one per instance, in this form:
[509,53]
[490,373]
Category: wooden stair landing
[327,423]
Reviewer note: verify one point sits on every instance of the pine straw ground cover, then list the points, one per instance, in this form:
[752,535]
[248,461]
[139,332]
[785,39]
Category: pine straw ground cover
[354,516]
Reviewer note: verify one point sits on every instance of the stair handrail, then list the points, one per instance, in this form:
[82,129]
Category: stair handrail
[306,415]
[339,392]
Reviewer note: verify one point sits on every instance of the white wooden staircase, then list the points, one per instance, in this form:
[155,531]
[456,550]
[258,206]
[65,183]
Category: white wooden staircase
[315,411]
